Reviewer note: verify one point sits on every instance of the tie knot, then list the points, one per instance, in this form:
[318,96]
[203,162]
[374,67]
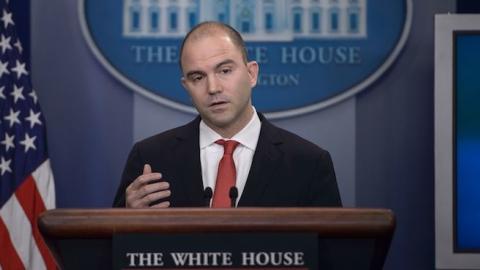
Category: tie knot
[228,146]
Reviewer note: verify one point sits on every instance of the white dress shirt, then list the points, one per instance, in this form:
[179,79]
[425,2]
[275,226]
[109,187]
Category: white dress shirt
[211,153]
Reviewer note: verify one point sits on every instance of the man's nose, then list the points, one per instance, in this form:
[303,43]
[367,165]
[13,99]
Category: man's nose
[214,85]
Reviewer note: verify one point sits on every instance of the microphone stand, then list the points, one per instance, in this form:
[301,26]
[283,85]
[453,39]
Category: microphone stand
[207,196]
[233,196]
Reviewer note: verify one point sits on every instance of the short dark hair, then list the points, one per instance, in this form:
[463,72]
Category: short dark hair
[209,27]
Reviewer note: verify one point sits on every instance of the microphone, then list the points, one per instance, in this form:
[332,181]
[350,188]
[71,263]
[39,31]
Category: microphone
[233,196]
[207,196]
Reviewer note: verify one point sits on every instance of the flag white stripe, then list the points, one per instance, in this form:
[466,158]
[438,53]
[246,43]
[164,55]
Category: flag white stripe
[44,180]
[20,231]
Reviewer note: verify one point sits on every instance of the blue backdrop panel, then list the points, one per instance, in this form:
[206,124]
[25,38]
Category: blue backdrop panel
[467,140]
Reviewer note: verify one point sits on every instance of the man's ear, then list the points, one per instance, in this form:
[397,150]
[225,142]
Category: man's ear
[252,67]
[184,82]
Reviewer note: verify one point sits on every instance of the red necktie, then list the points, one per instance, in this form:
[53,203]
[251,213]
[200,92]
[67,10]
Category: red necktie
[226,176]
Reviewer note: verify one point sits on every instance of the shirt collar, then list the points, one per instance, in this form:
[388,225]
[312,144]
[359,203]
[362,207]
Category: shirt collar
[247,137]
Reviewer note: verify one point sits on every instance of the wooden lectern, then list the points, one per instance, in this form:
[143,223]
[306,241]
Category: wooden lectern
[348,238]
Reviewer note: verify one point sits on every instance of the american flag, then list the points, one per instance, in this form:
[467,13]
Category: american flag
[26,185]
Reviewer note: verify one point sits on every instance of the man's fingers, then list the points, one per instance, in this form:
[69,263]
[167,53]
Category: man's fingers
[147,169]
[135,200]
[147,188]
[159,186]
[152,188]
[145,179]
[152,197]
[161,205]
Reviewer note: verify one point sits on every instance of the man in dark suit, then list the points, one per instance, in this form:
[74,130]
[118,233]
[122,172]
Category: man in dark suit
[269,166]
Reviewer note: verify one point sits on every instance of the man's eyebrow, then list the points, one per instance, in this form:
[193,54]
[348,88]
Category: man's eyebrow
[193,72]
[225,62]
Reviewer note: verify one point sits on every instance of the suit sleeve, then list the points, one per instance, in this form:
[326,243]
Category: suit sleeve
[324,188]
[132,170]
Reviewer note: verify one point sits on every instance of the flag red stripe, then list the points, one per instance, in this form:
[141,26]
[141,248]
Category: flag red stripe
[9,258]
[32,203]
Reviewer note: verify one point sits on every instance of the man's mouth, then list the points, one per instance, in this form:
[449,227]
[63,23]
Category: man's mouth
[217,103]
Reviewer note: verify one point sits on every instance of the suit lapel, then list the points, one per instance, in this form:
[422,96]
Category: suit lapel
[264,164]
[187,158]
[266,159]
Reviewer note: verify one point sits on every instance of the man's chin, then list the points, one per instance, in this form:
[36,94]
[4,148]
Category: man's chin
[217,120]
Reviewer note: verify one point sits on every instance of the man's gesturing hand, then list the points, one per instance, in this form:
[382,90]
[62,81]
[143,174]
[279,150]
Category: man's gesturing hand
[146,189]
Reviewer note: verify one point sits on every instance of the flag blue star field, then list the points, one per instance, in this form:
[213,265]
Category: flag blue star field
[26,180]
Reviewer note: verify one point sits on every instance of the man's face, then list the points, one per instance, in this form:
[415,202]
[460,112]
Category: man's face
[219,82]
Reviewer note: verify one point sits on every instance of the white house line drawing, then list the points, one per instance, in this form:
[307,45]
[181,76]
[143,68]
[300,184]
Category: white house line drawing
[257,20]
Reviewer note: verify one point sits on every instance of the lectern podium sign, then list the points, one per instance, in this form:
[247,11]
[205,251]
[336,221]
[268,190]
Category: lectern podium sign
[215,251]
